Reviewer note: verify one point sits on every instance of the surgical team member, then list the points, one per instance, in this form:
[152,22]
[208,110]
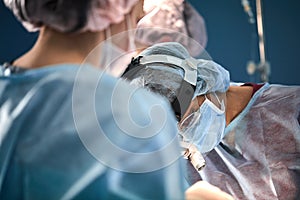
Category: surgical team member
[249,134]
[69,131]
[164,21]
[172,21]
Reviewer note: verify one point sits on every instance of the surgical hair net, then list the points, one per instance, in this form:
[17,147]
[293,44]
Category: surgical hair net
[164,81]
[211,77]
[172,21]
[167,48]
[70,16]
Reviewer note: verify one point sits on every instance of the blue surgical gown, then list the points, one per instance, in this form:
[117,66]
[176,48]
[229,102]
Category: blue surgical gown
[70,132]
[260,156]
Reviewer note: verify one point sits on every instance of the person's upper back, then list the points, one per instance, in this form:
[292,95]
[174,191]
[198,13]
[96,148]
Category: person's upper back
[58,122]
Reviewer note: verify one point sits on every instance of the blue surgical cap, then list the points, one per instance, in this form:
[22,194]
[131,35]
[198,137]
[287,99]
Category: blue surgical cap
[211,77]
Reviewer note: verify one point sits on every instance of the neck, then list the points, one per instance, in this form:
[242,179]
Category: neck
[53,47]
[237,99]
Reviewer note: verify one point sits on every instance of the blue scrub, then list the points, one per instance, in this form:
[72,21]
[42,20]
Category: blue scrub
[80,134]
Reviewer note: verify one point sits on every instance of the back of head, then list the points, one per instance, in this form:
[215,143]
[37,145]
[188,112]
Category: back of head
[161,79]
[70,16]
[168,80]
[211,77]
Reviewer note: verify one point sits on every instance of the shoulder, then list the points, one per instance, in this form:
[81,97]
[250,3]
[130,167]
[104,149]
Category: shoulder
[127,121]
[281,91]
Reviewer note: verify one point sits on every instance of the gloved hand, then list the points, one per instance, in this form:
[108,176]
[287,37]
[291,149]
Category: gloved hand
[202,190]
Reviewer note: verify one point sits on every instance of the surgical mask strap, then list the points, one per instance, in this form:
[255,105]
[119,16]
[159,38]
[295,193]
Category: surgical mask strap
[218,99]
[212,106]
[221,103]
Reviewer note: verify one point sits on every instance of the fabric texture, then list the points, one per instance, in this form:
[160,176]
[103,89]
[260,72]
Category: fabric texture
[49,157]
[211,77]
[70,16]
[172,21]
[260,156]
[165,82]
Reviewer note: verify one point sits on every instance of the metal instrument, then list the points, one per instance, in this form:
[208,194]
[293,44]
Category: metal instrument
[263,67]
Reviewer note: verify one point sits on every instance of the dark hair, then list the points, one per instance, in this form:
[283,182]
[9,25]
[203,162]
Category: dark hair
[64,15]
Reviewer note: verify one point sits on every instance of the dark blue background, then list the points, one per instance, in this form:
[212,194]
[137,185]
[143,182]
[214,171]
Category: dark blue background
[232,41]
[14,39]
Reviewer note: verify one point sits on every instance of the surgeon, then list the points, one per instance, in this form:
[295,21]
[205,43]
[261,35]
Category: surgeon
[68,130]
[249,135]
[62,123]
[172,21]
[164,21]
